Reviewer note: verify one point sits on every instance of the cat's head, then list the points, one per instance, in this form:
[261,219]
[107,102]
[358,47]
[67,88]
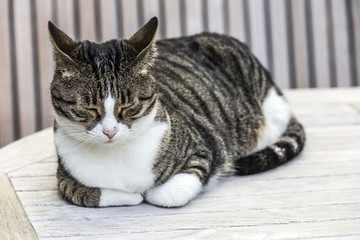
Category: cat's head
[104,93]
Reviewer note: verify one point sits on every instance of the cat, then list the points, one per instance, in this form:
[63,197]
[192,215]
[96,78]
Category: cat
[138,120]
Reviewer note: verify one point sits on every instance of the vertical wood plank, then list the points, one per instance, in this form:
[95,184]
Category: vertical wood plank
[87,20]
[140,13]
[130,18]
[6,102]
[257,27]
[108,20]
[216,16]
[300,44]
[321,48]
[194,21]
[355,12]
[43,11]
[172,15]
[14,222]
[341,43]
[25,66]
[66,21]
[279,43]
[236,19]
[151,9]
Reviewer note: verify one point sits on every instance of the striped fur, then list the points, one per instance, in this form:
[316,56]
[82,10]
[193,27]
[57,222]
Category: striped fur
[206,91]
[287,147]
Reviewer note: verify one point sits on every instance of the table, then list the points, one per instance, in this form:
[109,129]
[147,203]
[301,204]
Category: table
[315,196]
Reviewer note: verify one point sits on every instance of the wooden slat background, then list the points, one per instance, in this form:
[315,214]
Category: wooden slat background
[304,43]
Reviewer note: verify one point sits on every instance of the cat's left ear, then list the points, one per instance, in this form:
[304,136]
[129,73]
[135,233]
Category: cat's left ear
[145,36]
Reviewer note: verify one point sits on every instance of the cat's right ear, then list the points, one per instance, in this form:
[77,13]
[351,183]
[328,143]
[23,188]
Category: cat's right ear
[63,44]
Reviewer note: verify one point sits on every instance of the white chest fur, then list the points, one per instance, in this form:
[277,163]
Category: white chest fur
[126,166]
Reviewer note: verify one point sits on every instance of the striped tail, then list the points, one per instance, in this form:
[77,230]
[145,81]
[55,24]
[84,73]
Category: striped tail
[289,146]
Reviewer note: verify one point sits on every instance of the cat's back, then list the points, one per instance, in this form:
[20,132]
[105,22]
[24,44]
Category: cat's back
[202,43]
[204,49]
[211,71]
[212,81]
[218,61]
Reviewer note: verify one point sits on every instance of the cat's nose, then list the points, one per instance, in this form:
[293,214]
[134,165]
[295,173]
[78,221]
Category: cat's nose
[110,132]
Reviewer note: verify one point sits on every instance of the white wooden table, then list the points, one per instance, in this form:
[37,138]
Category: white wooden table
[315,196]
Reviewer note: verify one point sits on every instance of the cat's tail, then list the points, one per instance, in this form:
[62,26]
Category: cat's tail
[286,148]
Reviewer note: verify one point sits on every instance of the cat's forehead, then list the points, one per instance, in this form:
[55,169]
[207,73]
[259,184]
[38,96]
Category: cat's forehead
[112,54]
[105,69]
[107,50]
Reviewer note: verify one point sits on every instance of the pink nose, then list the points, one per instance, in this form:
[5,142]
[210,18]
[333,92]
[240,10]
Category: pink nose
[110,132]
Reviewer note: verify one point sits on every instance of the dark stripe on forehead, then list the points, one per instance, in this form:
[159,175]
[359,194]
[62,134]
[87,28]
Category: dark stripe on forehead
[102,55]
[128,94]
[122,97]
[113,84]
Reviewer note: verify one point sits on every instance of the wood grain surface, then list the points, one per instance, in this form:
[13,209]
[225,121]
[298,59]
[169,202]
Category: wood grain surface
[14,223]
[315,196]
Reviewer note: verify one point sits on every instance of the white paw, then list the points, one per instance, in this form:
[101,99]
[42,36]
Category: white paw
[176,192]
[112,197]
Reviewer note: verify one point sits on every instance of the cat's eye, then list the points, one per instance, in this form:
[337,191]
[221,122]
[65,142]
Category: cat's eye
[132,112]
[121,114]
[123,111]
[95,113]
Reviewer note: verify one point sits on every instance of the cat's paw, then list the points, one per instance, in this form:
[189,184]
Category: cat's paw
[176,192]
[112,197]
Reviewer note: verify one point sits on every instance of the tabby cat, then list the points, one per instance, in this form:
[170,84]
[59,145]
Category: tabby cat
[137,120]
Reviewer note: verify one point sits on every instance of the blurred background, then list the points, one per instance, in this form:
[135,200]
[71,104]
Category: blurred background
[304,43]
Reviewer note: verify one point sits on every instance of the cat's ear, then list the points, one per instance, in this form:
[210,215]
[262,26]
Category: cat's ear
[62,42]
[144,37]
[142,42]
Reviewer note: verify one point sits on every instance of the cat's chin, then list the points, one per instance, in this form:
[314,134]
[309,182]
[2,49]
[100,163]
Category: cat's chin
[114,142]
[110,143]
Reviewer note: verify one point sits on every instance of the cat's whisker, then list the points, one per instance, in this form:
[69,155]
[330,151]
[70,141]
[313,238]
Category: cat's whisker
[78,145]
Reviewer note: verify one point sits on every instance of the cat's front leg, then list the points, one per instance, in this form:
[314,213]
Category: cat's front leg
[175,192]
[113,197]
[179,189]
[81,195]
[78,194]
[75,192]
